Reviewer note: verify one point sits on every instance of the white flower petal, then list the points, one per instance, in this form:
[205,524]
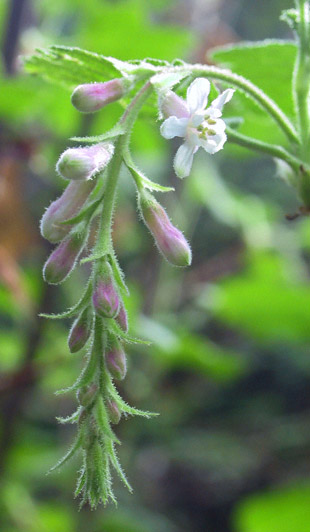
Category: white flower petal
[174,127]
[184,159]
[214,143]
[219,126]
[223,98]
[197,95]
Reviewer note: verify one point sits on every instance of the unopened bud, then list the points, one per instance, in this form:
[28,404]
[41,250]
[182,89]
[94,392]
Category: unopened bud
[105,297]
[169,240]
[80,331]
[63,259]
[65,207]
[113,411]
[91,97]
[122,318]
[84,163]
[172,105]
[116,360]
[86,395]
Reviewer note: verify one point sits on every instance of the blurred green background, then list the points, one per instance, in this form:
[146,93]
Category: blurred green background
[229,365]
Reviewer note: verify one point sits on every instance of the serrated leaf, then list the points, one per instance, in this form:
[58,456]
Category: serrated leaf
[71,66]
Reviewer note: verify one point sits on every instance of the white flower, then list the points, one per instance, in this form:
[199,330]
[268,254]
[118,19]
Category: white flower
[199,126]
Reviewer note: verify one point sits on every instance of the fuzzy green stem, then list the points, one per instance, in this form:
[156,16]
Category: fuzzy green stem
[302,75]
[252,90]
[263,147]
[104,236]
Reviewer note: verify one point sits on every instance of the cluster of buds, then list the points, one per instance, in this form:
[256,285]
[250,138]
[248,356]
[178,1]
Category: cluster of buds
[101,324]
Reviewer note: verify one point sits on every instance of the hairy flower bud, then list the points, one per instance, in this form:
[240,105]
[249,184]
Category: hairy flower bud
[86,395]
[113,411]
[122,318]
[172,105]
[105,297]
[63,259]
[84,163]
[65,207]
[169,240]
[91,97]
[115,359]
[80,331]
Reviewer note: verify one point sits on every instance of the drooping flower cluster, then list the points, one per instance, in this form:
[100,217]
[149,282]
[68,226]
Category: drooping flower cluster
[100,326]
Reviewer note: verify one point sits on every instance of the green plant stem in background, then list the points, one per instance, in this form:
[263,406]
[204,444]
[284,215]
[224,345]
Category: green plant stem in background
[263,147]
[302,76]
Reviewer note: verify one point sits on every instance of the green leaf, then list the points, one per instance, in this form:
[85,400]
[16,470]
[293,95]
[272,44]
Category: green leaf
[268,64]
[266,303]
[71,66]
[285,509]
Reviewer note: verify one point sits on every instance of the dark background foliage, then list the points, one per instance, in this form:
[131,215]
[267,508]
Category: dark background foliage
[229,367]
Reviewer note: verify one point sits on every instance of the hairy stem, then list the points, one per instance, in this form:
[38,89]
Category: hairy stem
[302,75]
[263,147]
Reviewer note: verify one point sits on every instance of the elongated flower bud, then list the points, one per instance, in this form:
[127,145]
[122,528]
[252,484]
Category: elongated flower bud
[84,163]
[113,411]
[65,207]
[80,331]
[172,105]
[115,359]
[122,318]
[86,395]
[169,240]
[105,297]
[91,97]
[63,259]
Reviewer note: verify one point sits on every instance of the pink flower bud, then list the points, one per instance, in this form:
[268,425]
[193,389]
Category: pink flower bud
[86,395]
[116,360]
[105,297]
[84,163]
[65,207]
[63,259]
[91,97]
[169,240]
[172,105]
[122,318]
[113,411]
[80,331]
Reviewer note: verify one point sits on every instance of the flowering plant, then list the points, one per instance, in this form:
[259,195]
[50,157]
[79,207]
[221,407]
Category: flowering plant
[100,326]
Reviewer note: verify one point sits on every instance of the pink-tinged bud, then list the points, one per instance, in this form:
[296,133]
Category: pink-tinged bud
[115,359]
[86,395]
[105,297]
[80,331]
[122,318]
[64,208]
[169,240]
[172,105]
[113,412]
[84,163]
[91,97]
[63,259]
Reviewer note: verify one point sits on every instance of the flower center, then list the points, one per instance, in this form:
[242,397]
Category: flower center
[205,129]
